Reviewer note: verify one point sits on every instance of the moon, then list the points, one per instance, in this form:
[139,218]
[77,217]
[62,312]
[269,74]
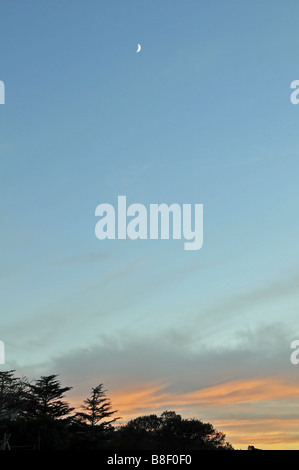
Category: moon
[138,48]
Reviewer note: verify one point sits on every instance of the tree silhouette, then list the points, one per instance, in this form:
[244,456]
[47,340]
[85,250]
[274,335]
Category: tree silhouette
[36,416]
[170,431]
[13,393]
[97,408]
[91,428]
[45,398]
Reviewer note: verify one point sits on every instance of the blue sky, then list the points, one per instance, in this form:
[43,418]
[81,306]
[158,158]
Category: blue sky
[201,115]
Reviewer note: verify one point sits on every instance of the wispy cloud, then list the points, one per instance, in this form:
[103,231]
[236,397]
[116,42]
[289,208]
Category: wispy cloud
[92,257]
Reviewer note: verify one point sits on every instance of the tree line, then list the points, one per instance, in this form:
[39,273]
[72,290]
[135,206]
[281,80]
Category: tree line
[36,416]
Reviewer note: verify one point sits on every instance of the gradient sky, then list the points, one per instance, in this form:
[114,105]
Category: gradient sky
[201,115]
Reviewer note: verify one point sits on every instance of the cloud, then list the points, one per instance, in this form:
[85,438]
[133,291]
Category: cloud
[147,374]
[257,389]
[230,389]
[125,358]
[269,291]
[92,257]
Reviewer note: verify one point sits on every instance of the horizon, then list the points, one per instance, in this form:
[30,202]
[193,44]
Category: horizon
[205,113]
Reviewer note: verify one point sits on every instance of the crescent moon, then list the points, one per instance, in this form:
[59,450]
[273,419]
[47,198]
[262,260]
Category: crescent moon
[138,48]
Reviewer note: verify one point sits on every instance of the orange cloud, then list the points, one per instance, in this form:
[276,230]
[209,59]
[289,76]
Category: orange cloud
[233,392]
[244,391]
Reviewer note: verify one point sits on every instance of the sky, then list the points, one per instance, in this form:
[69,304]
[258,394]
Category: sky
[201,115]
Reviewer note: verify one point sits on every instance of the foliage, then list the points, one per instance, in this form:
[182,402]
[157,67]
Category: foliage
[44,398]
[36,416]
[97,408]
[170,431]
[13,395]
